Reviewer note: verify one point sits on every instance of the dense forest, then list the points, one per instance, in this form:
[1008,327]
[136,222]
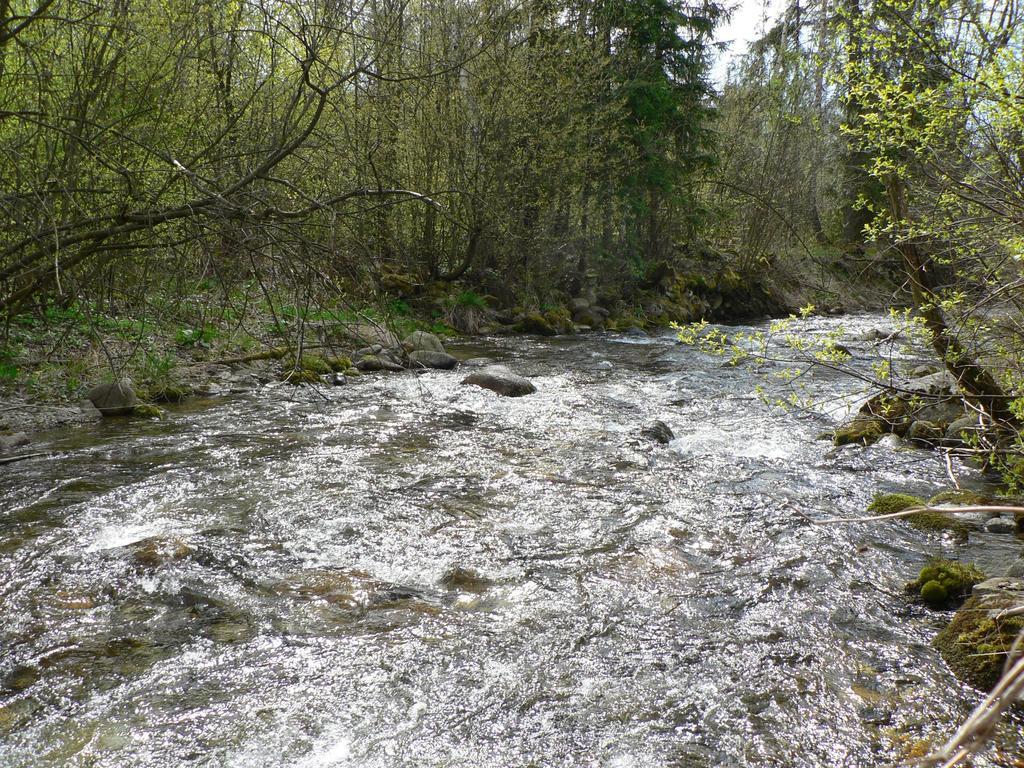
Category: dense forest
[303,183]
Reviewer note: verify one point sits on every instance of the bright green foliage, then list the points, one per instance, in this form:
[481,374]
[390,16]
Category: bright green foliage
[939,116]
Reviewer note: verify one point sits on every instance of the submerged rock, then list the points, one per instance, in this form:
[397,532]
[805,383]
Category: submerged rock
[116,398]
[464,580]
[659,432]
[500,379]
[158,550]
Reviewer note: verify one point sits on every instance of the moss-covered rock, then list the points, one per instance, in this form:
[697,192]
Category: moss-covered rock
[296,376]
[978,638]
[944,584]
[535,324]
[166,393]
[338,364]
[560,319]
[891,503]
[147,411]
[935,522]
[891,410]
[962,497]
[307,369]
[859,431]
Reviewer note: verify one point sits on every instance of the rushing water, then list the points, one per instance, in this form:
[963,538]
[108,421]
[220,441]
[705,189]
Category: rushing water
[619,603]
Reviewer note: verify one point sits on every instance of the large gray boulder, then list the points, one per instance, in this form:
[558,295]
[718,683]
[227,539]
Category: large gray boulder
[116,398]
[964,427]
[421,341]
[500,379]
[941,384]
[944,411]
[926,433]
[426,358]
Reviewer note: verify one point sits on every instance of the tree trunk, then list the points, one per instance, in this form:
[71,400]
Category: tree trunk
[978,385]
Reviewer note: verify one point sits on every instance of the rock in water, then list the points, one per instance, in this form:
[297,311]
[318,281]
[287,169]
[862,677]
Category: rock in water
[382,362]
[116,398]
[421,341]
[500,379]
[659,432]
[10,442]
[425,358]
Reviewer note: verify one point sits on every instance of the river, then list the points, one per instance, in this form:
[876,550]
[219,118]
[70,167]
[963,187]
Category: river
[406,571]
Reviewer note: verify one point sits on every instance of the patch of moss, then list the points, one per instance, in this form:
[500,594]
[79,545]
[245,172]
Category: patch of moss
[338,364]
[147,411]
[945,584]
[560,319]
[859,431]
[960,496]
[314,364]
[891,503]
[935,522]
[892,410]
[167,393]
[535,324]
[976,641]
[296,376]
[934,594]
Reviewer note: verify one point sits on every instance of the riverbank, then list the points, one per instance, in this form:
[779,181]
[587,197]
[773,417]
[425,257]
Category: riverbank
[216,342]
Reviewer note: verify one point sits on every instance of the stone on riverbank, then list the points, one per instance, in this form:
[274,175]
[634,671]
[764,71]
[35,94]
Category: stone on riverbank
[926,433]
[500,379]
[115,398]
[10,442]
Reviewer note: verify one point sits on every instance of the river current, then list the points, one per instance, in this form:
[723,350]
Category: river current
[406,571]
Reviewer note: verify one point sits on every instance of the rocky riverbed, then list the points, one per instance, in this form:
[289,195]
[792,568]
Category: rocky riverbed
[616,569]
